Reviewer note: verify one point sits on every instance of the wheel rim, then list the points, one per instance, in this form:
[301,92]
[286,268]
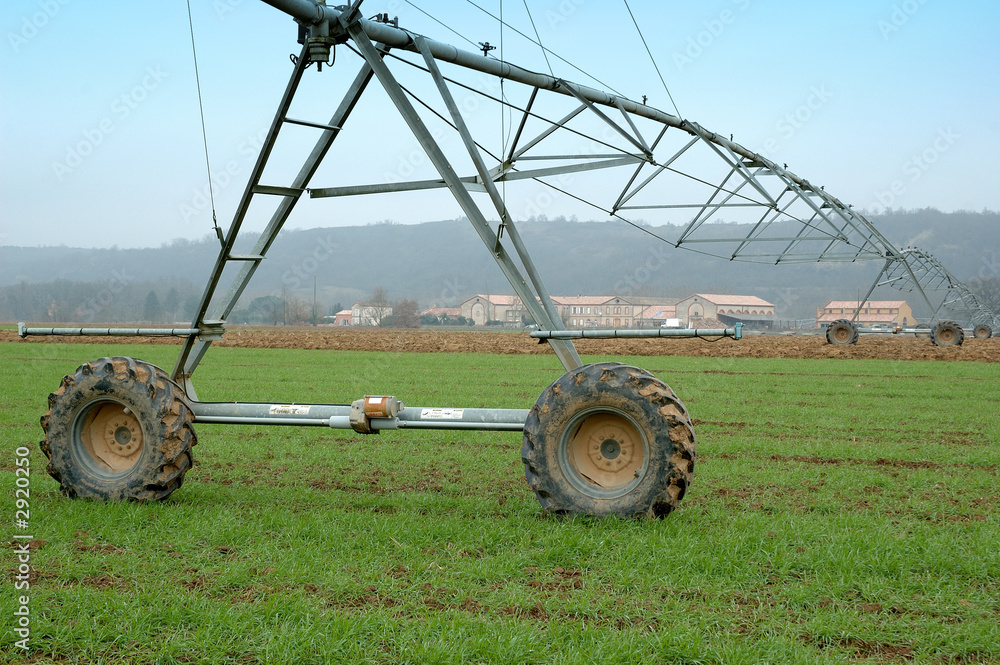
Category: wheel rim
[841,334]
[604,453]
[108,438]
[946,335]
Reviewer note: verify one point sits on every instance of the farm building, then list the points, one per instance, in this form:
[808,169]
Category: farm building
[873,312]
[342,318]
[751,311]
[369,314]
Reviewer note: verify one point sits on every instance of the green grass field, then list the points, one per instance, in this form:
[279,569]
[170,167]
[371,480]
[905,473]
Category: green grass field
[841,511]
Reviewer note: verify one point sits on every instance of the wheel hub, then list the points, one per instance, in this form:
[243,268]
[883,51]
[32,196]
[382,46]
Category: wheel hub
[606,451]
[111,437]
[611,449]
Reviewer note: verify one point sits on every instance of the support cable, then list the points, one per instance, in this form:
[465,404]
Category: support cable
[204,132]
[652,59]
[504,102]
[539,38]
[510,27]
[443,24]
[503,134]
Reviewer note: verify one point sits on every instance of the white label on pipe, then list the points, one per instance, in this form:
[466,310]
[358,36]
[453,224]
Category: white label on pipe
[288,410]
[441,414]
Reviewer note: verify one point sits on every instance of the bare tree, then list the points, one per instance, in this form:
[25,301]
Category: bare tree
[297,312]
[988,291]
[378,307]
[406,315]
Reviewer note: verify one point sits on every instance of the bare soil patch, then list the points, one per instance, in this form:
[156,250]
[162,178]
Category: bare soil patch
[889,347]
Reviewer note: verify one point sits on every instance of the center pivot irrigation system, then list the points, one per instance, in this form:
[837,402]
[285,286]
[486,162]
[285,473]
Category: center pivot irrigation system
[602,439]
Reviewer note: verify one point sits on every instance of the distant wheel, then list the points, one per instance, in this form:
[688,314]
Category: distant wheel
[118,429]
[982,331]
[608,439]
[947,333]
[923,331]
[842,331]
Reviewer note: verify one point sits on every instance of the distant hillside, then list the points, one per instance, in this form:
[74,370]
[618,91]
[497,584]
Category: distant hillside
[442,263]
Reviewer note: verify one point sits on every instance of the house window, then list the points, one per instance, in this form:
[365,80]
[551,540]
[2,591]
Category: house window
[626,310]
[588,310]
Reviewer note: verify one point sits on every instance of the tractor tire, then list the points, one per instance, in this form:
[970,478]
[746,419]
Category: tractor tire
[118,428]
[842,332]
[608,439]
[983,331]
[947,333]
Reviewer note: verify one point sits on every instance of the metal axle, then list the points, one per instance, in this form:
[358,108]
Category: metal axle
[339,416]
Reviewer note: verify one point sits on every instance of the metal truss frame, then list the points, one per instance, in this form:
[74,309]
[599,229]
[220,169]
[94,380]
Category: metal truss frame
[793,221]
[918,269]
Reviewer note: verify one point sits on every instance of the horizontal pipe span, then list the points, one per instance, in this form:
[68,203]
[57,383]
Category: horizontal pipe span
[735,332]
[337,416]
[247,420]
[24,331]
[415,417]
[308,11]
[493,427]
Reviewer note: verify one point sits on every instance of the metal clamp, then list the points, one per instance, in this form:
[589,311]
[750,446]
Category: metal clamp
[378,407]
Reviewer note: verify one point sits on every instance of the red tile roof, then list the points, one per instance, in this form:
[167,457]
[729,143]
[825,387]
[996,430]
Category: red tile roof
[872,304]
[739,301]
[499,299]
[438,311]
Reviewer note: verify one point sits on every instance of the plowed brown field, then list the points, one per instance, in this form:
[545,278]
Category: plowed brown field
[889,347]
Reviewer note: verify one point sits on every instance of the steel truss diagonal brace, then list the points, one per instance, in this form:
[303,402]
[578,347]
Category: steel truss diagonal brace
[186,362]
[563,351]
[566,352]
[890,262]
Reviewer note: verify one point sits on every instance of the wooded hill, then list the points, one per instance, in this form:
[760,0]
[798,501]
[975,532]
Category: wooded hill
[443,263]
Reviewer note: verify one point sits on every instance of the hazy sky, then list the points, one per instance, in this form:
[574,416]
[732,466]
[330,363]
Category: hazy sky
[883,102]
